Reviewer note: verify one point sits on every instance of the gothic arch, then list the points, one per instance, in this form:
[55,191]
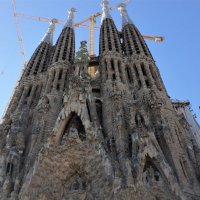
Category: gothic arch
[62,125]
[64,117]
[74,123]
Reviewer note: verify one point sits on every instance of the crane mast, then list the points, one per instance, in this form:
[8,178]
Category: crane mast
[91,36]
[19,34]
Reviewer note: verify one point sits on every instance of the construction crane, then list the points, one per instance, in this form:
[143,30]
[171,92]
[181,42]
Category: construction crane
[91,26]
[154,38]
[19,34]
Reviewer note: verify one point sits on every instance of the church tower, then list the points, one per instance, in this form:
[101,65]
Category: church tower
[16,128]
[114,135]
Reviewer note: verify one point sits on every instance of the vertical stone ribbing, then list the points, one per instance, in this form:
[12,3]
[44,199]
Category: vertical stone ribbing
[109,37]
[41,57]
[40,60]
[65,46]
[134,42]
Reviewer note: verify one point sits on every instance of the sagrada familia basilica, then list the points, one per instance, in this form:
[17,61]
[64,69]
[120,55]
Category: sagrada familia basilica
[111,135]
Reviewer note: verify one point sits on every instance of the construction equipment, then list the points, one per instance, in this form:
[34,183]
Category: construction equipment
[154,38]
[91,27]
[19,34]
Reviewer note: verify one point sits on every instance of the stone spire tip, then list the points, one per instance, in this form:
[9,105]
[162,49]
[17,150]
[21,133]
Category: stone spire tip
[48,37]
[70,18]
[105,10]
[123,12]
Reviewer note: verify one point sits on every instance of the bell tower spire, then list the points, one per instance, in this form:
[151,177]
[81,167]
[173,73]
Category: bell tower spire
[142,73]
[134,43]
[41,57]
[65,45]
[109,36]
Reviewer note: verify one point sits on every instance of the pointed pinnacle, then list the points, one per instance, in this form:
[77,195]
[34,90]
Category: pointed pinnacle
[70,18]
[105,9]
[123,12]
[48,37]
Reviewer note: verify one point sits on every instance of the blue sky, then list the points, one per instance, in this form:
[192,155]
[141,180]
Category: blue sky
[177,57]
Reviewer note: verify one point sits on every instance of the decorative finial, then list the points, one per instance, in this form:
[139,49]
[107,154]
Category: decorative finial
[105,10]
[70,18]
[48,37]
[123,12]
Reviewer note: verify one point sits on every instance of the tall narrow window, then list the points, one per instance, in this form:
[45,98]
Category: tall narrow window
[147,83]
[129,146]
[129,76]
[99,111]
[60,74]
[113,77]
[120,70]
[106,69]
[9,169]
[29,91]
[112,65]
[88,109]
[136,71]
[143,69]
[137,76]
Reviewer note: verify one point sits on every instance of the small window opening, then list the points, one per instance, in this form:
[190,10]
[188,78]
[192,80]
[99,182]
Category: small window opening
[9,169]
[29,92]
[147,83]
[60,74]
[129,74]
[143,69]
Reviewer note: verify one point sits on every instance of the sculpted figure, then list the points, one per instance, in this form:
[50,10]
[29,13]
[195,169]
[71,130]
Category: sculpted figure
[138,120]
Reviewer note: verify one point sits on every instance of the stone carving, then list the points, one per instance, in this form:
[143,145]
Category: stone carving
[139,120]
[151,176]
[43,104]
[135,143]
[71,136]
[79,184]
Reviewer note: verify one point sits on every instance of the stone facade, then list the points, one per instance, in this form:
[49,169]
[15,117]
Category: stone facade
[113,135]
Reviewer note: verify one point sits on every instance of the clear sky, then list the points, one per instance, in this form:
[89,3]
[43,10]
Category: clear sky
[177,57]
